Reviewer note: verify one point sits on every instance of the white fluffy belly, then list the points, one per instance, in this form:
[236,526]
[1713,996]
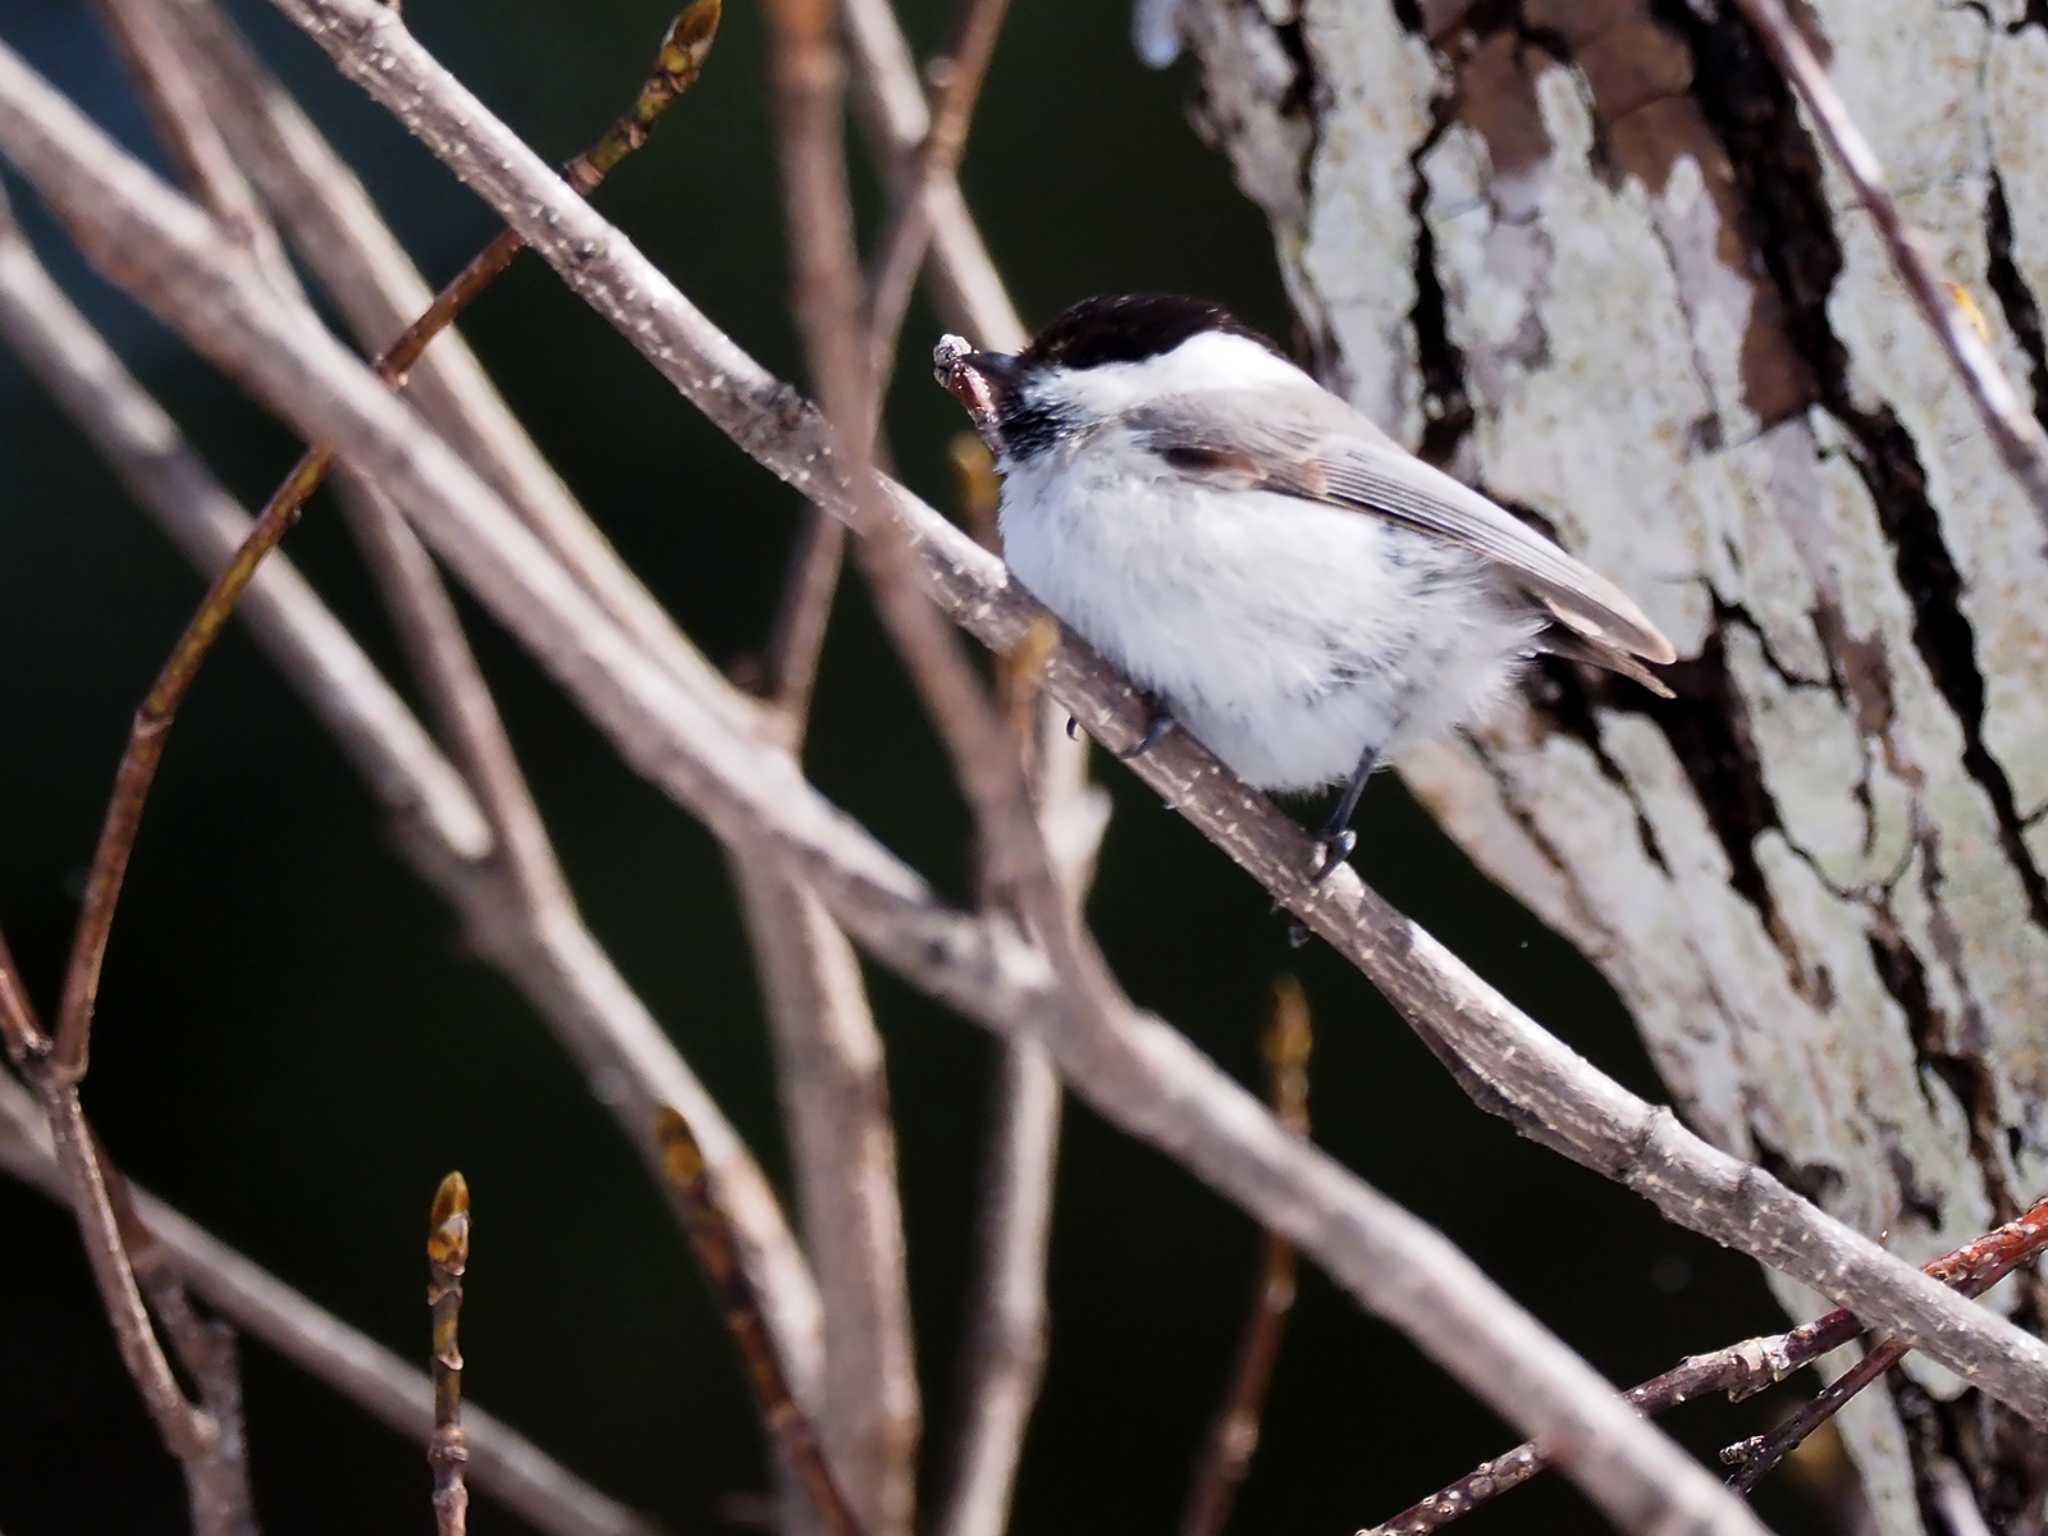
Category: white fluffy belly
[1289,637]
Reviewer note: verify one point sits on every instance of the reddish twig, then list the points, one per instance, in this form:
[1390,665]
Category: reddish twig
[1971,1269]
[1227,1456]
[206,1439]
[677,66]
[1742,1370]
[2019,437]
[718,1256]
[24,1037]
[447,1262]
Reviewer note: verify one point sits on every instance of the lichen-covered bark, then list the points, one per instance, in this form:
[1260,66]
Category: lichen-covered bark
[1585,253]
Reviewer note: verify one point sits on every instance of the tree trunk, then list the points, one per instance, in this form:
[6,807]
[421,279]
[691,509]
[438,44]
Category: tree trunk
[1588,256]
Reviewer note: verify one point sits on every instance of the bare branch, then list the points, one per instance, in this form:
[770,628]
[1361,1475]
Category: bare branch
[550,956]
[502,1462]
[892,104]
[900,250]
[188,1431]
[835,1093]
[1003,1359]
[1501,1055]
[2020,438]
[447,1263]
[186,129]
[19,1028]
[1235,1436]
[340,236]
[1740,1370]
[711,1236]
[1004,1351]
[218,1486]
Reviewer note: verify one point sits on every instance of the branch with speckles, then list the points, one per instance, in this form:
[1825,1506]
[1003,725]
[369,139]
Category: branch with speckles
[1743,1370]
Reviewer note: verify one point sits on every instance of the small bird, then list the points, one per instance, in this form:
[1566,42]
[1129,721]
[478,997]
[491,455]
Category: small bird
[1282,578]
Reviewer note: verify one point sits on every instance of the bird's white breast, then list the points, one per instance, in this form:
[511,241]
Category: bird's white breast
[1287,635]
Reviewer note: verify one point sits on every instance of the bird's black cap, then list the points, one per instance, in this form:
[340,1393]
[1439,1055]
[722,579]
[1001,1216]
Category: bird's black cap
[1129,328]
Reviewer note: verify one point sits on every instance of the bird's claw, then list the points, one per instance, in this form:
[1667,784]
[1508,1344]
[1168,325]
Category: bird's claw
[1336,848]
[1155,731]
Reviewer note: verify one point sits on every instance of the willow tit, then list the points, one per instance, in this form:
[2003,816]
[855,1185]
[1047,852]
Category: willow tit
[1288,583]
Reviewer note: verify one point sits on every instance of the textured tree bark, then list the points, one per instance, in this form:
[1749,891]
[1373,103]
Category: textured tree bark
[1588,256]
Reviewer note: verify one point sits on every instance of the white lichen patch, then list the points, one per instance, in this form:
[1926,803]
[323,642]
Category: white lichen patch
[1357,257]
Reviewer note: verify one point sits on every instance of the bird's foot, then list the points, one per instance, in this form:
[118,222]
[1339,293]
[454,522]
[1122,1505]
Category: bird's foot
[1333,848]
[1336,846]
[1157,723]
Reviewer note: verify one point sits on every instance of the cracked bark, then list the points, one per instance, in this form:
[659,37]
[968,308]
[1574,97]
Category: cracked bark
[1588,257]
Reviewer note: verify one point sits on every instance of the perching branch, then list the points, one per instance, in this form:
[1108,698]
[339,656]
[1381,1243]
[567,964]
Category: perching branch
[503,1463]
[1500,1053]
[1227,1454]
[1740,1370]
[447,1263]
[2022,442]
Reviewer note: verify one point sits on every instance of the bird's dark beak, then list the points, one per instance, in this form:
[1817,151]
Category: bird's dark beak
[1002,370]
[983,382]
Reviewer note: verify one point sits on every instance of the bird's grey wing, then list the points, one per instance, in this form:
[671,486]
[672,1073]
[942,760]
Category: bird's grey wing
[1312,445]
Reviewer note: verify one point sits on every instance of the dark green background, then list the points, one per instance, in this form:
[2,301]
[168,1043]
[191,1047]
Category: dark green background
[293,1044]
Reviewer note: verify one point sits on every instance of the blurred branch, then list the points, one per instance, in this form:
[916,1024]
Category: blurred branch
[1235,1436]
[891,103]
[1142,1074]
[1508,1062]
[503,1463]
[1741,1370]
[2021,440]
[711,1236]
[546,951]
[208,1351]
[447,1263]
[831,1080]
[172,96]
[1003,1358]
[907,232]
[339,234]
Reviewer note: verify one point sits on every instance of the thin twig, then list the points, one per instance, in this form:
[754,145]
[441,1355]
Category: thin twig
[677,65]
[711,1236]
[189,134]
[549,955]
[502,1462]
[2020,439]
[218,1486]
[447,1263]
[872,1425]
[343,241]
[1740,1370]
[890,101]
[189,1431]
[24,1037]
[1002,1362]
[1971,1269]
[907,232]
[1219,1473]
